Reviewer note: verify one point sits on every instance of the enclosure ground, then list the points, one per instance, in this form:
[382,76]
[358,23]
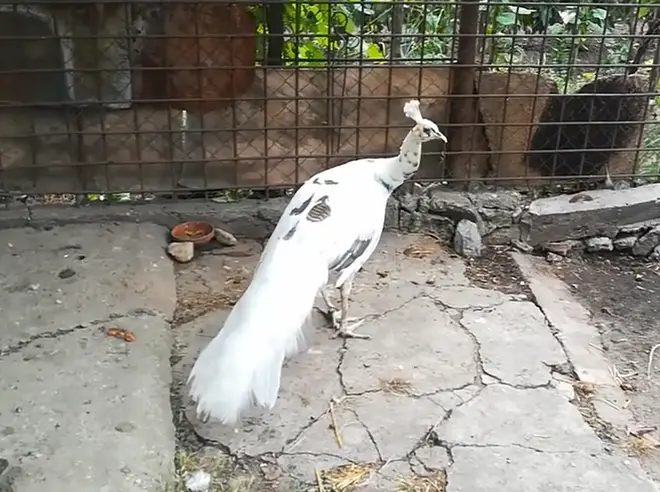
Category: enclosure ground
[434,401]
[624,295]
[462,387]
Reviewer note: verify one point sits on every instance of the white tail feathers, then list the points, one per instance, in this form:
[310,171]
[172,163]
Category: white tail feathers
[412,111]
[242,365]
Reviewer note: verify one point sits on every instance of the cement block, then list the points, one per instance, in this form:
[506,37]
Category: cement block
[520,328]
[418,344]
[515,469]
[84,411]
[538,419]
[602,214]
[59,278]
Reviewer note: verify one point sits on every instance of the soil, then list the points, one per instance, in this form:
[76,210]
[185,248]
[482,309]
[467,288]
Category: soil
[495,269]
[623,294]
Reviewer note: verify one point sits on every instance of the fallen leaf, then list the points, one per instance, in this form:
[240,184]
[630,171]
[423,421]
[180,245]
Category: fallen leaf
[127,336]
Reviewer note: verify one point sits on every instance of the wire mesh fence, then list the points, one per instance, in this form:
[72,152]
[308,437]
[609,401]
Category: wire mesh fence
[161,97]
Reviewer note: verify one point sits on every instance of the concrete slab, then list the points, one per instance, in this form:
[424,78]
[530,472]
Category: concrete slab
[580,338]
[393,436]
[469,297]
[88,412]
[539,419]
[515,469]
[82,410]
[520,328]
[417,391]
[600,213]
[417,345]
[59,278]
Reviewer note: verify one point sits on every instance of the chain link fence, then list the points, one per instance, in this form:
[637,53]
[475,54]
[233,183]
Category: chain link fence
[105,99]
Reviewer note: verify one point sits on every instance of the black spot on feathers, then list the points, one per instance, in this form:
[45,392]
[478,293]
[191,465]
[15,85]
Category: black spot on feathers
[291,232]
[303,206]
[320,211]
[593,114]
[317,181]
[385,184]
[356,250]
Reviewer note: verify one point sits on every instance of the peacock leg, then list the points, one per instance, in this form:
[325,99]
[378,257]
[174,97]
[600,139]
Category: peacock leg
[346,329]
[333,313]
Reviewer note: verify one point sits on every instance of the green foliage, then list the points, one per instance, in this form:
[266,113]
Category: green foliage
[322,32]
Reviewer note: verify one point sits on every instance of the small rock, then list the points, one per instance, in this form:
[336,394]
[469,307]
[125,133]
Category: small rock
[562,248]
[552,257]
[455,205]
[200,481]
[625,242]
[66,273]
[637,227]
[467,240]
[655,254]
[621,185]
[645,244]
[225,238]
[181,252]
[594,244]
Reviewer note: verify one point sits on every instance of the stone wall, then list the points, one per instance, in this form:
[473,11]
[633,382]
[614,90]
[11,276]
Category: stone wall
[599,220]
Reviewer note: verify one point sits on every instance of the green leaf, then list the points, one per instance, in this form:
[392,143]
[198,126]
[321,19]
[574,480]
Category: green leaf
[506,18]
[599,14]
[373,52]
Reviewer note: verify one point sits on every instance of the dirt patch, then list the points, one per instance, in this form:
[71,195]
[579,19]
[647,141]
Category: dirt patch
[623,294]
[215,279]
[496,270]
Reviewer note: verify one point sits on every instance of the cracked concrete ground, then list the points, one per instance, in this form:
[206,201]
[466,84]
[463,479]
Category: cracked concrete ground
[460,389]
[457,382]
[80,410]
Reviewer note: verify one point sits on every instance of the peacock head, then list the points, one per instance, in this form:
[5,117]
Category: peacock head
[424,129]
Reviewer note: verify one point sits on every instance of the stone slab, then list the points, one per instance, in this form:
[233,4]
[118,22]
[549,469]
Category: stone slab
[580,338]
[515,469]
[515,328]
[469,297]
[395,437]
[537,418]
[417,344]
[563,217]
[59,278]
[87,412]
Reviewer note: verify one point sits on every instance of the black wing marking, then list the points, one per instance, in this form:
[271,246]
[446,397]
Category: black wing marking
[320,211]
[302,207]
[291,232]
[385,184]
[356,250]
[317,181]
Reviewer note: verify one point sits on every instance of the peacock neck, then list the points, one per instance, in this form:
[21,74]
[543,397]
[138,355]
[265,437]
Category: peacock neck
[404,165]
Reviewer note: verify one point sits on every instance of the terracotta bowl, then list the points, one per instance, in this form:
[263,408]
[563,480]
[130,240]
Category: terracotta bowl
[195,232]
